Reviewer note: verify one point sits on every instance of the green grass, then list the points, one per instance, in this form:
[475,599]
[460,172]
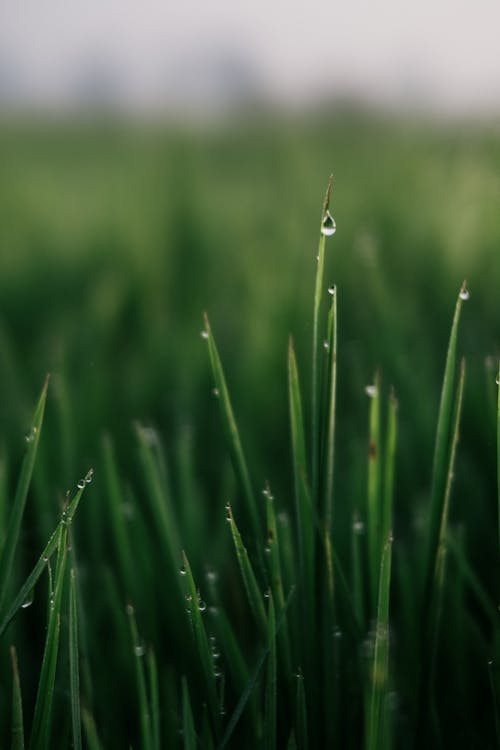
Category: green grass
[271,553]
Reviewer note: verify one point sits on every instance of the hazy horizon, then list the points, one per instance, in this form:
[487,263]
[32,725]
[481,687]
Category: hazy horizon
[440,57]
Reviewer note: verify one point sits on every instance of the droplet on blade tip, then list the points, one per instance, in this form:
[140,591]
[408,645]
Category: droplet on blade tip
[328,226]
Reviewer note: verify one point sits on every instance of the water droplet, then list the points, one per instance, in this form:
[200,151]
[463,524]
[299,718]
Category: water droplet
[30,436]
[328,226]
[326,345]
[464,293]
[371,391]
[267,550]
[29,599]
[337,633]
[267,594]
[215,654]
[217,674]
[331,290]
[215,392]
[202,607]
[211,576]
[139,649]
[497,380]
[182,571]
[81,484]
[358,527]
[204,335]
[45,559]
[89,476]
[129,609]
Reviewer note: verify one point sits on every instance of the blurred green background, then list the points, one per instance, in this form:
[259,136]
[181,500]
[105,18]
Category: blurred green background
[116,237]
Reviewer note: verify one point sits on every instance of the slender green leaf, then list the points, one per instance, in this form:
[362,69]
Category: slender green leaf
[74,673]
[90,731]
[42,562]
[16,515]
[301,730]
[374,506]
[240,706]
[328,458]
[303,504]
[441,450]
[232,434]
[318,295]
[271,681]
[194,610]
[252,589]
[17,742]
[40,732]
[154,693]
[379,677]
[273,558]
[139,651]
[188,730]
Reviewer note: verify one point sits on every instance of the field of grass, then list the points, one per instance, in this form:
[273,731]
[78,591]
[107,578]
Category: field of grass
[267,552]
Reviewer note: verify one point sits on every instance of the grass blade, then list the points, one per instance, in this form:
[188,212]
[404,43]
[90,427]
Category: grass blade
[15,518]
[441,449]
[328,458]
[240,707]
[252,589]
[44,558]
[374,510]
[498,451]
[74,674]
[379,677]
[140,677]
[40,733]
[301,731]
[201,642]
[17,705]
[318,294]
[154,694]
[188,730]
[303,504]
[90,731]
[232,434]
[271,682]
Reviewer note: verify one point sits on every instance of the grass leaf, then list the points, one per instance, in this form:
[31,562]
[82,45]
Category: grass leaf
[16,515]
[17,742]
[74,674]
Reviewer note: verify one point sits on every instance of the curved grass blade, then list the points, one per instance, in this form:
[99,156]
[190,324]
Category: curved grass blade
[201,643]
[240,706]
[271,682]
[188,730]
[232,434]
[158,490]
[252,589]
[390,456]
[441,450]
[118,523]
[318,293]
[74,673]
[17,741]
[439,571]
[15,518]
[44,558]
[379,677]
[40,732]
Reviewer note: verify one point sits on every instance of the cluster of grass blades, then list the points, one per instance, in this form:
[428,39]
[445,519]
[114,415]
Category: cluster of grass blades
[320,629]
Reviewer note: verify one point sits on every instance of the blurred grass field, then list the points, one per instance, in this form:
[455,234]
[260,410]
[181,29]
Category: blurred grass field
[113,241]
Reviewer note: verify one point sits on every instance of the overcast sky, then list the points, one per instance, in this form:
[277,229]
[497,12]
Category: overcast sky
[443,54]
